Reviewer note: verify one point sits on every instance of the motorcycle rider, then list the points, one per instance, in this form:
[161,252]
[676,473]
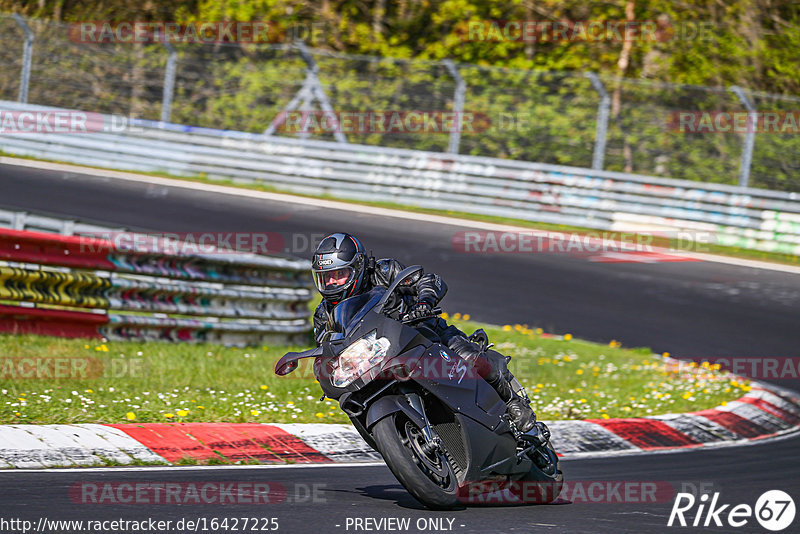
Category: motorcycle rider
[342,269]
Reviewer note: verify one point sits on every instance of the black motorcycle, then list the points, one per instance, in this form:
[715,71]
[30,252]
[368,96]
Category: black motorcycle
[442,430]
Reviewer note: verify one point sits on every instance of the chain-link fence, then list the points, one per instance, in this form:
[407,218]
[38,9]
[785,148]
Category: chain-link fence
[569,118]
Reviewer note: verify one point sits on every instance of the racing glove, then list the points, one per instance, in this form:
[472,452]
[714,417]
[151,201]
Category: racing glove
[420,310]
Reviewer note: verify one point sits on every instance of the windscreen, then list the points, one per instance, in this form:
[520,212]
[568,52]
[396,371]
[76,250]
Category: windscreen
[349,309]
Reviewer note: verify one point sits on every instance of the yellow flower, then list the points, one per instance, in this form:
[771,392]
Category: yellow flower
[264,386]
[200,408]
[687,395]
[130,416]
[89,391]
[605,416]
[445,315]
[581,400]
[507,328]
[17,414]
[183,413]
[320,415]
[169,415]
[567,337]
[465,317]
[666,355]
[579,372]
[254,412]
[86,346]
[456,316]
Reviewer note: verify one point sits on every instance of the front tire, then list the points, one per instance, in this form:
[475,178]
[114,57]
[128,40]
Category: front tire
[546,472]
[429,477]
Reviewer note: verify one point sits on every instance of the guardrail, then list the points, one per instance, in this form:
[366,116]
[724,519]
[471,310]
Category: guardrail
[728,215]
[89,285]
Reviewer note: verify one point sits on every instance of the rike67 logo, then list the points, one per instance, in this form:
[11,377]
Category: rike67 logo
[774,510]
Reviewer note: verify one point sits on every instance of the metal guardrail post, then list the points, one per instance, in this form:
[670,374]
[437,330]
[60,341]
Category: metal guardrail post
[598,158]
[458,105]
[750,136]
[27,58]
[169,82]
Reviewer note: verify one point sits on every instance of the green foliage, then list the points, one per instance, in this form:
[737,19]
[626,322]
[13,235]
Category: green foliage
[539,105]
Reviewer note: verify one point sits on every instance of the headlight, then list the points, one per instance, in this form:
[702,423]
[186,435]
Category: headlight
[359,358]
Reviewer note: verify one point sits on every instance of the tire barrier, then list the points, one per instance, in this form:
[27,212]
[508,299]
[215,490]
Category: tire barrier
[79,286]
[611,201]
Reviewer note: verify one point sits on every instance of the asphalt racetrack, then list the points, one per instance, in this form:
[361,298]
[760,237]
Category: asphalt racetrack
[690,309]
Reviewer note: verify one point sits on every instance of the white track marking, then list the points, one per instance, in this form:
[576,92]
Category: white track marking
[358,208]
[339,442]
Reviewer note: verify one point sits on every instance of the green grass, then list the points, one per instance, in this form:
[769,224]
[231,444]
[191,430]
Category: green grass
[737,252]
[161,382]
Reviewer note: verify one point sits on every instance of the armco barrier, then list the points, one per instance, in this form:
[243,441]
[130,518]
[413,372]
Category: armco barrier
[79,286]
[728,215]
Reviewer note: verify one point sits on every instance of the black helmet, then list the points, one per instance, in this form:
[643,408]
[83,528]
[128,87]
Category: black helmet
[339,266]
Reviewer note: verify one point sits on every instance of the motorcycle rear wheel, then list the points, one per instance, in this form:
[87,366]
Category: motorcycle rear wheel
[429,477]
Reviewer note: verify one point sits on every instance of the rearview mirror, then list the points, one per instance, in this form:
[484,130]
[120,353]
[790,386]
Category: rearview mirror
[286,368]
[403,276]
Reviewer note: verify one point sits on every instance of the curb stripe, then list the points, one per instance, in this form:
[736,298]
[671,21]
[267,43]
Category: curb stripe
[771,408]
[736,424]
[698,428]
[206,441]
[647,434]
[763,413]
[172,444]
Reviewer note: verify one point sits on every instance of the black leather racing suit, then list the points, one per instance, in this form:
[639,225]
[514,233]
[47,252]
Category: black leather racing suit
[429,288]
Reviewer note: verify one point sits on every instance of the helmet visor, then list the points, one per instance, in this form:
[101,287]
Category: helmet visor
[334,279]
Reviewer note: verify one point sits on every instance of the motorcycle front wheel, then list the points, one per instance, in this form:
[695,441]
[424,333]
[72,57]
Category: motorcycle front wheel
[425,472]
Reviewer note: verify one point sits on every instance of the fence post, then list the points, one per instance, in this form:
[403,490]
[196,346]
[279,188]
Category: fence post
[458,105]
[169,82]
[598,158]
[750,136]
[317,90]
[27,58]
